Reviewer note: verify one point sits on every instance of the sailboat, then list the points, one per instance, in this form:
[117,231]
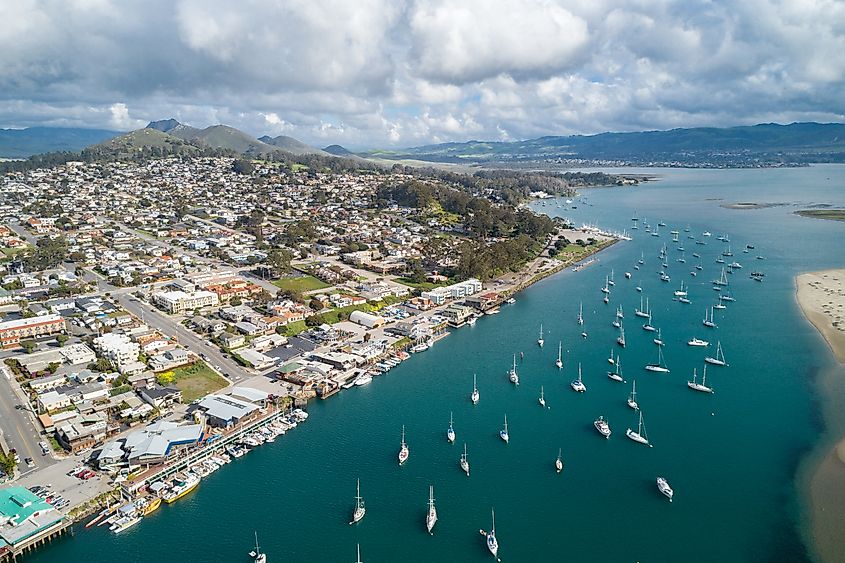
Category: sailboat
[632,398]
[512,375]
[660,366]
[431,515]
[559,461]
[540,340]
[404,452]
[360,510]
[723,279]
[492,542]
[720,305]
[643,312]
[611,360]
[616,374]
[602,426]
[542,399]
[664,488]
[474,396]
[621,338]
[503,433]
[559,361]
[648,326]
[719,360]
[605,289]
[465,461]
[708,321]
[257,556]
[619,313]
[610,281]
[695,386]
[359,554]
[640,435]
[659,339]
[578,385]
[681,292]
[580,313]
[641,260]
[450,433]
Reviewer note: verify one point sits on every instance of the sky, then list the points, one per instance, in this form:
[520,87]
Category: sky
[398,73]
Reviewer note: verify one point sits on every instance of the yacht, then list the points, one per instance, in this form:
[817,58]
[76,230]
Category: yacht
[682,292]
[559,361]
[503,433]
[465,461]
[474,396]
[659,339]
[542,399]
[578,385]
[258,557]
[492,542]
[708,321]
[719,360]
[698,342]
[643,312]
[512,375]
[559,461]
[663,487]
[450,433]
[124,523]
[632,398]
[695,386]
[540,340]
[404,452]
[621,338]
[640,435]
[431,515]
[360,510]
[602,426]
[660,366]
[616,374]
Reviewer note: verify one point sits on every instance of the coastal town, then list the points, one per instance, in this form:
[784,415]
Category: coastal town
[161,318]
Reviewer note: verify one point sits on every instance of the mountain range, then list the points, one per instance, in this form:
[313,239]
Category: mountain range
[21,143]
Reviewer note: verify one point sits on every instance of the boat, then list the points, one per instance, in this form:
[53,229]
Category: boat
[492,542]
[602,426]
[540,340]
[559,461]
[510,300]
[258,557]
[663,487]
[359,554]
[182,488]
[465,461]
[150,505]
[471,321]
[124,523]
[640,435]
[705,234]
[503,433]
[363,379]
[627,275]
[450,433]
[607,300]
[708,321]
[431,515]
[658,340]
[660,366]
[578,385]
[685,299]
[641,260]
[512,375]
[611,359]
[719,360]
[360,510]
[722,281]
[620,314]
[648,326]
[695,386]
[605,289]
[474,396]
[682,292]
[720,305]
[542,399]
[736,265]
[632,398]
[698,342]
[616,374]
[581,313]
[404,452]
[559,361]
[621,338]
[643,312]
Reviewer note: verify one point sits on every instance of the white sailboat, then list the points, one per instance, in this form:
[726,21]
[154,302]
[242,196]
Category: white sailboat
[616,374]
[559,361]
[640,435]
[643,311]
[559,461]
[602,426]
[642,259]
[605,289]
[450,433]
[492,542]
[360,510]
[257,556]
[660,366]
[681,292]
[431,515]
[503,433]
[581,313]
[540,340]
[695,386]
[578,385]
[708,321]
[404,452]
[621,338]
[542,399]
[648,326]
[659,339]
[512,375]
[465,460]
[719,360]
[632,398]
[611,360]
[610,281]
[359,554]
[664,488]
[619,313]
[474,397]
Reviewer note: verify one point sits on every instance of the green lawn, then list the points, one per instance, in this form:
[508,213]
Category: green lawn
[300,284]
[295,328]
[195,380]
[333,316]
[423,286]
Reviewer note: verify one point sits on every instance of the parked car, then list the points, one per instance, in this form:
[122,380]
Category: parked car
[45,448]
[29,462]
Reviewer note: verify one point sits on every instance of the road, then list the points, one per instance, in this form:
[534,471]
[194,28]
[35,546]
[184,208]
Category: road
[17,426]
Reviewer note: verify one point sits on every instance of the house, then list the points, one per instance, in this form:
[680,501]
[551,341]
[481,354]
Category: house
[248,328]
[256,359]
[81,431]
[51,400]
[48,383]
[170,359]
[161,397]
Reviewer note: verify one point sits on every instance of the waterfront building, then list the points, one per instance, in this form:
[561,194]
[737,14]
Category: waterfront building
[24,516]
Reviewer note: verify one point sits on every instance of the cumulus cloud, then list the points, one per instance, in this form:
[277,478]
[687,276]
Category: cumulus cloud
[403,72]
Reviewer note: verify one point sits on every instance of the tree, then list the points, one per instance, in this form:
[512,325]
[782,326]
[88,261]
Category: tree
[242,166]
[235,301]
[7,463]
[279,260]
[53,366]
[28,346]
[315,304]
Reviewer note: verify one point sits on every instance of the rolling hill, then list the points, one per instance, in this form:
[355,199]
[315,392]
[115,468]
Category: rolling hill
[291,145]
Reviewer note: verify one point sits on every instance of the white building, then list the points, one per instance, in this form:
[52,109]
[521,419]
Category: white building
[459,290]
[117,348]
[179,301]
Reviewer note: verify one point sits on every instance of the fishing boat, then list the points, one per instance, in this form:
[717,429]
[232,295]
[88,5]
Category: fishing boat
[643,312]
[602,426]
[695,386]
[542,399]
[581,313]
[698,342]
[640,435]
[719,360]
[708,321]
[660,366]
[360,510]
[182,488]
[559,361]
[512,375]
[621,338]
[559,461]
[616,374]
[465,460]
[682,292]
[450,433]
[540,340]
[659,339]
[474,396]
[431,515]
[664,488]
[632,398]
[150,505]
[258,557]
[492,542]
[578,385]
[404,452]
[503,433]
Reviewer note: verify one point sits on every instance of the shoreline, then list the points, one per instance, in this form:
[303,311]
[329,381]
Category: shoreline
[821,297]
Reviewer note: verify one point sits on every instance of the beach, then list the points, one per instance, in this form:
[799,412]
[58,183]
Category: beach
[821,296]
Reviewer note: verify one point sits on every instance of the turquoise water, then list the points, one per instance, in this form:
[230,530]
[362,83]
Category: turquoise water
[731,457]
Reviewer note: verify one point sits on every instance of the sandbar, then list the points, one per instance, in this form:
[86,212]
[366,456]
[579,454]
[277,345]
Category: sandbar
[821,296]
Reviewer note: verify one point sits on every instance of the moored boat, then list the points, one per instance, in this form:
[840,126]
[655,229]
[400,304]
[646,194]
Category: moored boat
[602,426]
